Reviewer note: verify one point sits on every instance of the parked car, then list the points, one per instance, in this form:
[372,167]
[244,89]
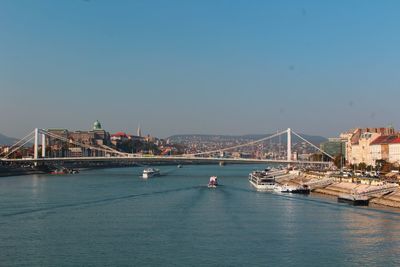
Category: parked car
[358,173]
[347,174]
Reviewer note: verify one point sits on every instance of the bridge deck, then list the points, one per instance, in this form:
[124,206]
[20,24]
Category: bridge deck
[164,159]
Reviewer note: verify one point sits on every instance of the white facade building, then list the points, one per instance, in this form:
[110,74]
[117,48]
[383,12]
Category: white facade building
[376,152]
[394,151]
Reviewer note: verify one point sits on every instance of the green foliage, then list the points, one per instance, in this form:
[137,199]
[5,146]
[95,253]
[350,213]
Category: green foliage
[135,146]
[383,166]
[316,157]
[362,166]
[338,160]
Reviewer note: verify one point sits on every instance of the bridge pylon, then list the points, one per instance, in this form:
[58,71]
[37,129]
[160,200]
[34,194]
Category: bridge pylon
[37,133]
[36,144]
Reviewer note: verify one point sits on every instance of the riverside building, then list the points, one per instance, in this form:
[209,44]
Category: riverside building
[363,146]
[97,137]
[334,147]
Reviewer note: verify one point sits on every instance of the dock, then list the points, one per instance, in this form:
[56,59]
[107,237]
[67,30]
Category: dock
[356,200]
[360,194]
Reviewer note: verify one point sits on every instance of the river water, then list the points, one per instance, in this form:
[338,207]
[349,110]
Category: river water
[112,217]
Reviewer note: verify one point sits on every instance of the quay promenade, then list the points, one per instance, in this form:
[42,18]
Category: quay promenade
[344,186]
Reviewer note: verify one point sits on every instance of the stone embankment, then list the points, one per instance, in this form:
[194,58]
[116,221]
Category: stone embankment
[346,186]
[391,200]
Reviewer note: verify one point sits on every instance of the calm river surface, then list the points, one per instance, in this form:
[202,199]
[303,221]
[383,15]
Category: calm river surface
[112,217]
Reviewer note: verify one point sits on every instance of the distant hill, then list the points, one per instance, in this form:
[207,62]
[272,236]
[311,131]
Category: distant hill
[5,140]
[315,139]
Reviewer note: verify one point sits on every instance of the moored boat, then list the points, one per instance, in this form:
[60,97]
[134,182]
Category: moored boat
[74,171]
[266,180]
[356,200]
[59,171]
[294,189]
[64,170]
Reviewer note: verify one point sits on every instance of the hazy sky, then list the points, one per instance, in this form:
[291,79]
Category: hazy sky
[224,67]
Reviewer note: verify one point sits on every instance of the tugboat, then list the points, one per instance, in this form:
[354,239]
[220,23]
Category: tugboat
[150,172]
[213,183]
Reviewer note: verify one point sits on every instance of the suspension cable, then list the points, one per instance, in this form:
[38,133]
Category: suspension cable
[27,141]
[79,144]
[238,146]
[330,156]
[17,143]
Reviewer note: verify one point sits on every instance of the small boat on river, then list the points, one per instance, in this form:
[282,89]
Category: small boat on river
[213,182]
[150,172]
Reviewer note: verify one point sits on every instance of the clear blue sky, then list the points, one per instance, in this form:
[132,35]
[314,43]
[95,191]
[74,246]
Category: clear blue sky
[225,67]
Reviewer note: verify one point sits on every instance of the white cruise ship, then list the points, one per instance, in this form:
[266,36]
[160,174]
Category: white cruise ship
[265,180]
[150,172]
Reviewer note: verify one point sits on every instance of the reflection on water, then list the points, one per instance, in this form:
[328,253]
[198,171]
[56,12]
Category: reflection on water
[377,231]
[112,217]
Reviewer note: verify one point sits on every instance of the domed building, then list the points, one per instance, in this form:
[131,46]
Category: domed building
[99,136]
[97,125]
[96,137]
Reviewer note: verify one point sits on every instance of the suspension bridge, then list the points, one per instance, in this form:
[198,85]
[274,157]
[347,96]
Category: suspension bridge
[41,138]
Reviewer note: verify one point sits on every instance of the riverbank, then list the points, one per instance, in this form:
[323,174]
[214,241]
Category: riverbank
[345,187]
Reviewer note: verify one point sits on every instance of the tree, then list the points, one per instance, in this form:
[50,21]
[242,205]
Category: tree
[383,166]
[127,146]
[379,164]
[362,166]
[316,157]
[134,146]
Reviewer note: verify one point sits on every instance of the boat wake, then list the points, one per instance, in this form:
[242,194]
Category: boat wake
[98,201]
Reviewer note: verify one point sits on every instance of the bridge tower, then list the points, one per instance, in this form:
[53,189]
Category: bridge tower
[36,144]
[43,145]
[289,144]
[38,132]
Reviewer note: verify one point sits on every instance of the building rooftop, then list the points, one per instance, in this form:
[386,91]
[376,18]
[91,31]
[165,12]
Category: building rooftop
[96,125]
[395,141]
[120,134]
[385,139]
